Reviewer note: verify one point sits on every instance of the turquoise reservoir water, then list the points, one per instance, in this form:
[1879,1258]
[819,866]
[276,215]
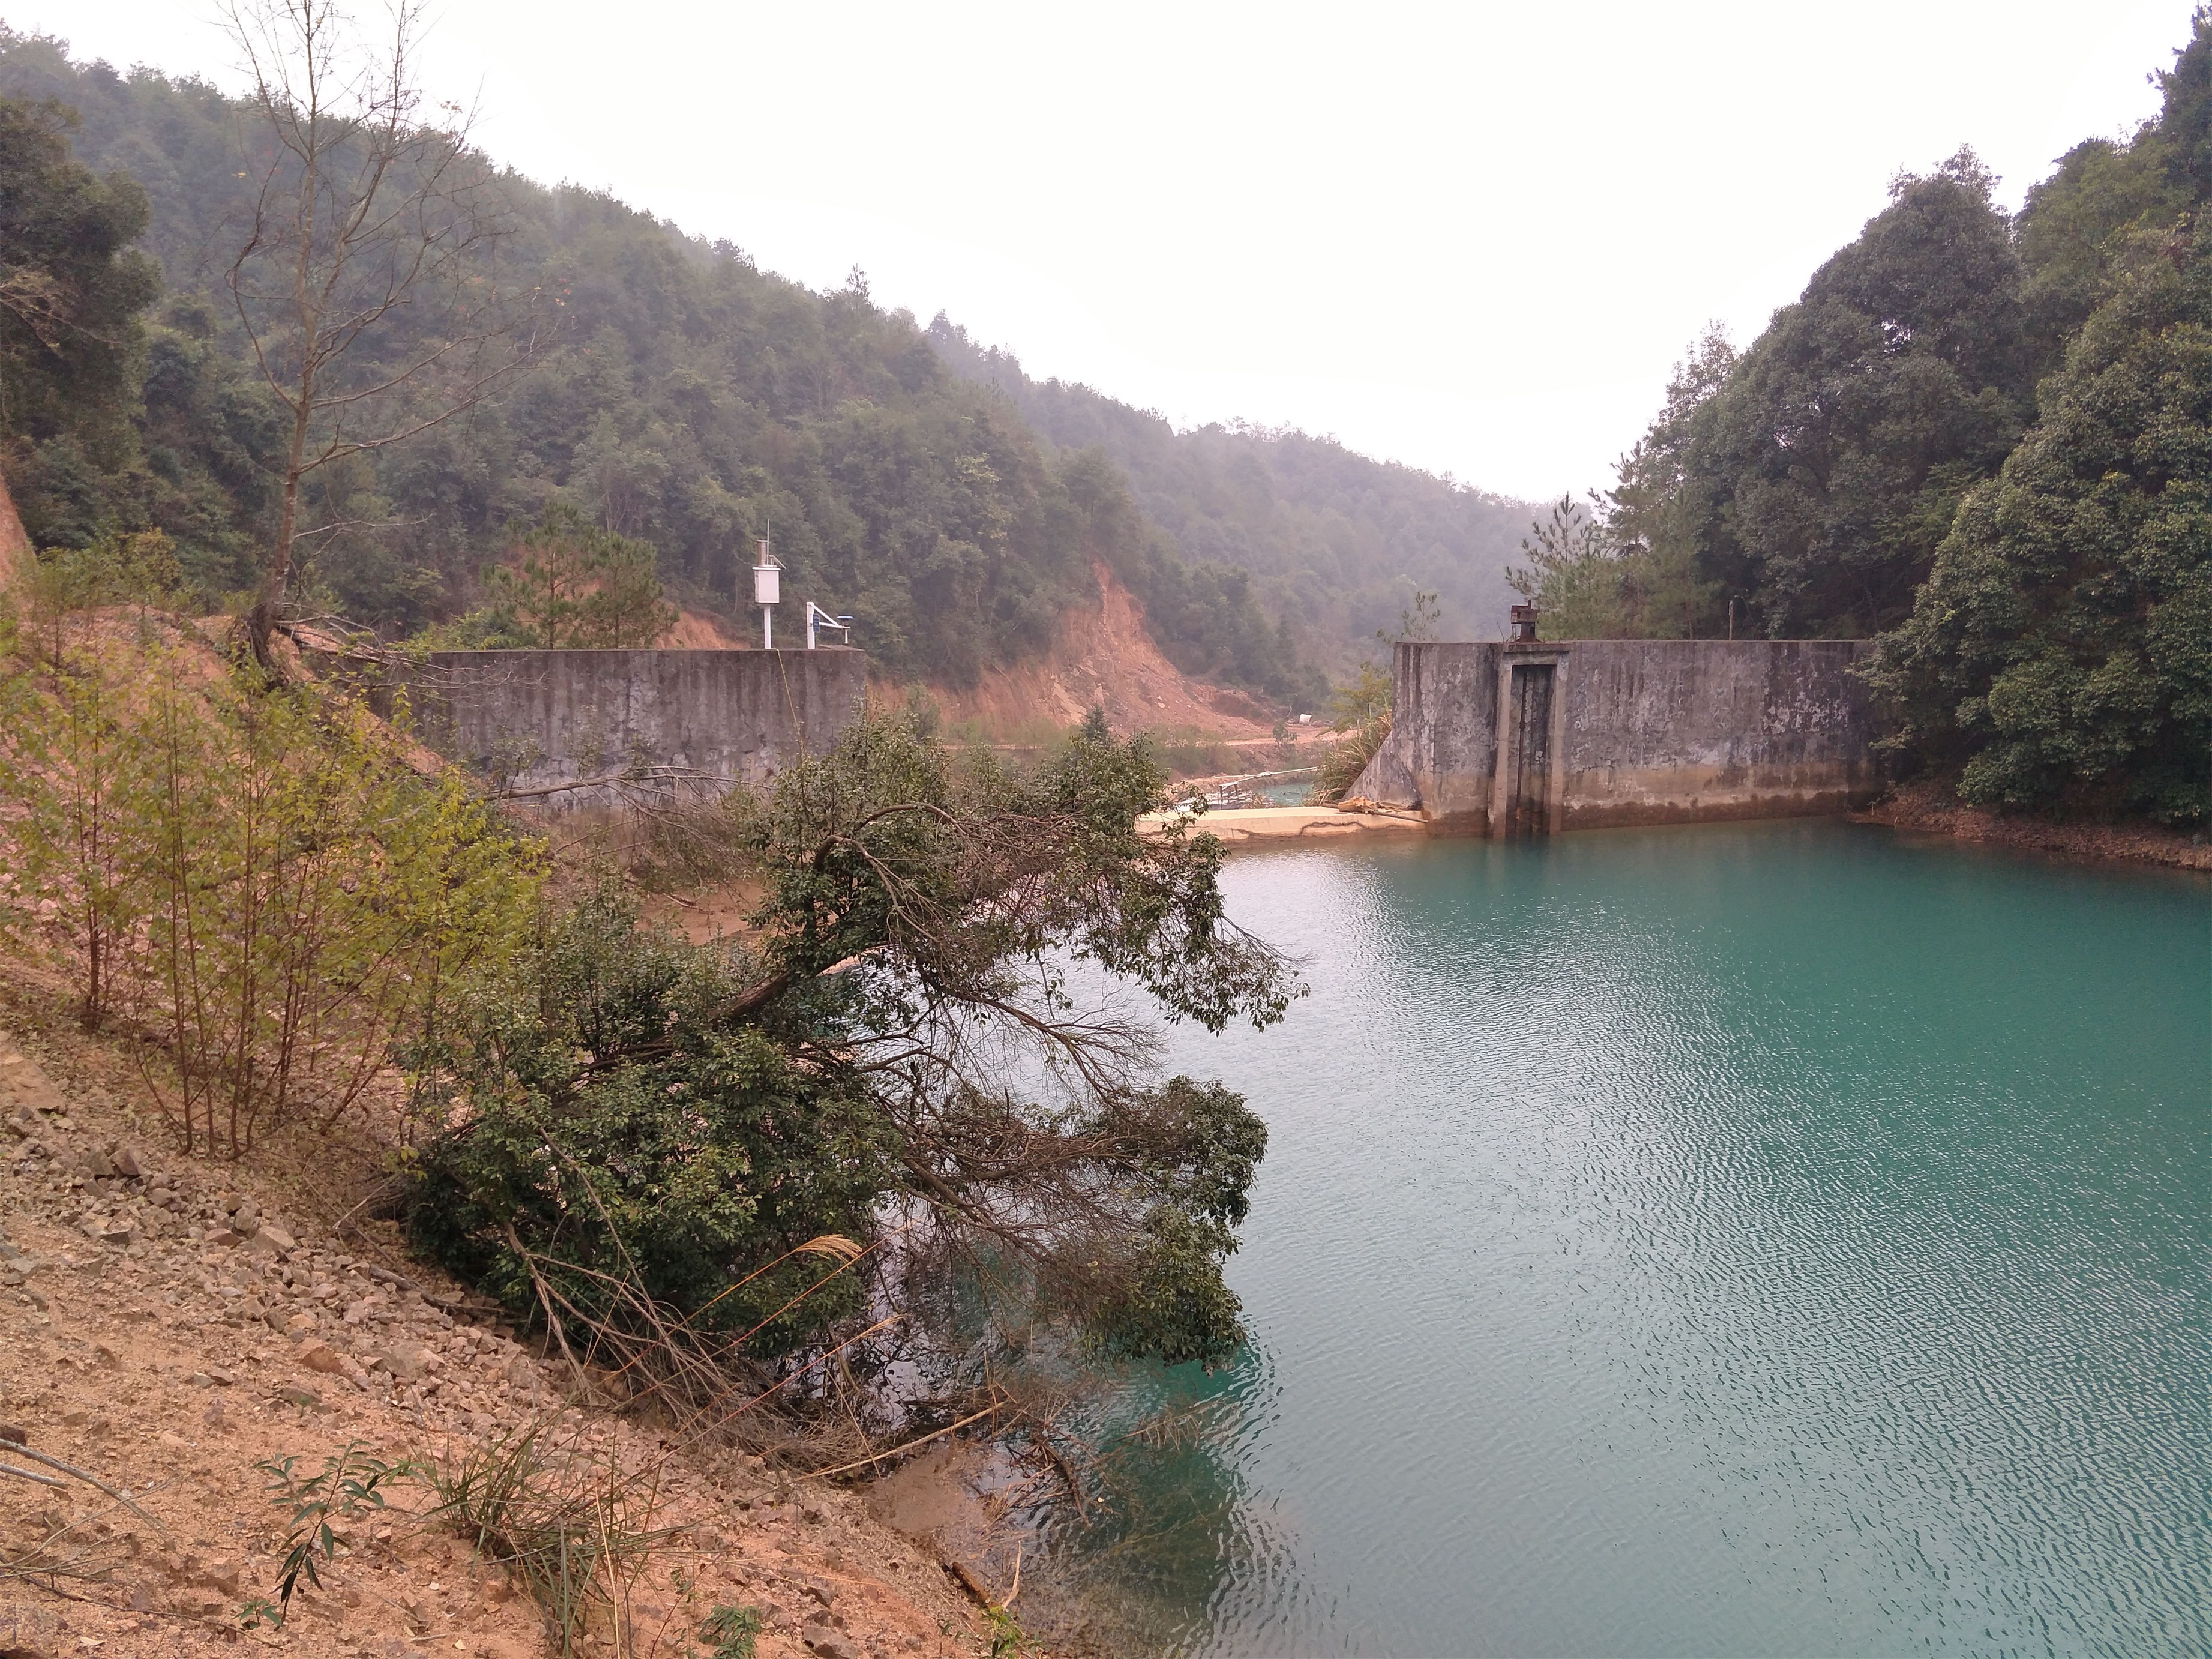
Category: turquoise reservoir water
[1760,1240]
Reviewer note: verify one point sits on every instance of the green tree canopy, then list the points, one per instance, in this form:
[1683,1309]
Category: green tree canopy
[2060,655]
[1829,464]
[2060,652]
[71,288]
[571,585]
[1624,566]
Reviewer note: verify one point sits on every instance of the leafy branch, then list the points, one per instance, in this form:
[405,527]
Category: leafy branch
[350,1482]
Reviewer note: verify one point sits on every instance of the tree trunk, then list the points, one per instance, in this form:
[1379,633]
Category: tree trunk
[261,621]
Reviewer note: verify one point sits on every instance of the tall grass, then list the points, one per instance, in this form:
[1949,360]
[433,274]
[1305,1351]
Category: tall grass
[571,1528]
[1343,762]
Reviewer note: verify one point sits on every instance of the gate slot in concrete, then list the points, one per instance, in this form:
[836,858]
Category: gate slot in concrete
[1526,736]
[1528,774]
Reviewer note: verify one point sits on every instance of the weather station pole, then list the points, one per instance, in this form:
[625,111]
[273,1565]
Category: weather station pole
[767,591]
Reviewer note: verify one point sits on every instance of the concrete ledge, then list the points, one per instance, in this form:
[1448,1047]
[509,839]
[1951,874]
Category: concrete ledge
[1240,826]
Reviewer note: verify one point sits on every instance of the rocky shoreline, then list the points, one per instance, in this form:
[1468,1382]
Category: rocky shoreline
[1928,810]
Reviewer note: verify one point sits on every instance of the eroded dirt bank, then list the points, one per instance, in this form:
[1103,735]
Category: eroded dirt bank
[1103,657]
[167,1322]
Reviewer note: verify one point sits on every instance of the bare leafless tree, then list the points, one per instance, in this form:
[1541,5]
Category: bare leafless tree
[366,280]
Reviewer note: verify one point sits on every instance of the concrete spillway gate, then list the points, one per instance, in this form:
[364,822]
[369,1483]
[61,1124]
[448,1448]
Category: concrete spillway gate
[1526,760]
[1528,738]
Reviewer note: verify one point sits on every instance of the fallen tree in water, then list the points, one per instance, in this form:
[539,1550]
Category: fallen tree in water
[658,1149]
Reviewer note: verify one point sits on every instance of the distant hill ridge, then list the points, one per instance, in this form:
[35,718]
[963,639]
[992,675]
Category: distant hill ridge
[691,400]
[1345,539]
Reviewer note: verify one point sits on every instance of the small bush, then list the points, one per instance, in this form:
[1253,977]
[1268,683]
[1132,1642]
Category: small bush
[1361,709]
[350,1483]
[733,1631]
[1343,762]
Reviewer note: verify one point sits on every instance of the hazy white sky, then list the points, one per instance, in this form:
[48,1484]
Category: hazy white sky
[1470,238]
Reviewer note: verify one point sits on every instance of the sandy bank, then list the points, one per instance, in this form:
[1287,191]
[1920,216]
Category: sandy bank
[1240,826]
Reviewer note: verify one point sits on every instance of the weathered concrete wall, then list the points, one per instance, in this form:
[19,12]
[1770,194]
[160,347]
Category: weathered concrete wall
[667,721]
[1641,731]
[1443,747]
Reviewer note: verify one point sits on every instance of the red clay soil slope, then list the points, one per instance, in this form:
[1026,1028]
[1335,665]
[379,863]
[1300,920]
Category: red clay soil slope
[702,630]
[1103,658]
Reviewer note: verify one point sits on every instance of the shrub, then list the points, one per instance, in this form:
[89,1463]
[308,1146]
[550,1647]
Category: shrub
[603,1125]
[654,1141]
[258,876]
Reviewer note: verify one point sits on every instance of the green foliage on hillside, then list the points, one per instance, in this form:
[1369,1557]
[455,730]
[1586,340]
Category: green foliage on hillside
[134,421]
[680,398]
[2061,651]
[72,286]
[1334,538]
[1811,477]
[572,587]
[1982,435]
[2060,654]
[1624,565]
[1830,464]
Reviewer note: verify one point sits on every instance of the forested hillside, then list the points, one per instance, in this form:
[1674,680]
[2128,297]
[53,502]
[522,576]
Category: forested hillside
[673,393]
[1344,540]
[1986,439]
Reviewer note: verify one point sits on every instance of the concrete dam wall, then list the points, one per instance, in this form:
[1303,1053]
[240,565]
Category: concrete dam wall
[642,723]
[1511,737]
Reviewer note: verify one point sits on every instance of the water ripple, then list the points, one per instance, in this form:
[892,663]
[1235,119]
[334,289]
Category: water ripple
[1768,1239]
